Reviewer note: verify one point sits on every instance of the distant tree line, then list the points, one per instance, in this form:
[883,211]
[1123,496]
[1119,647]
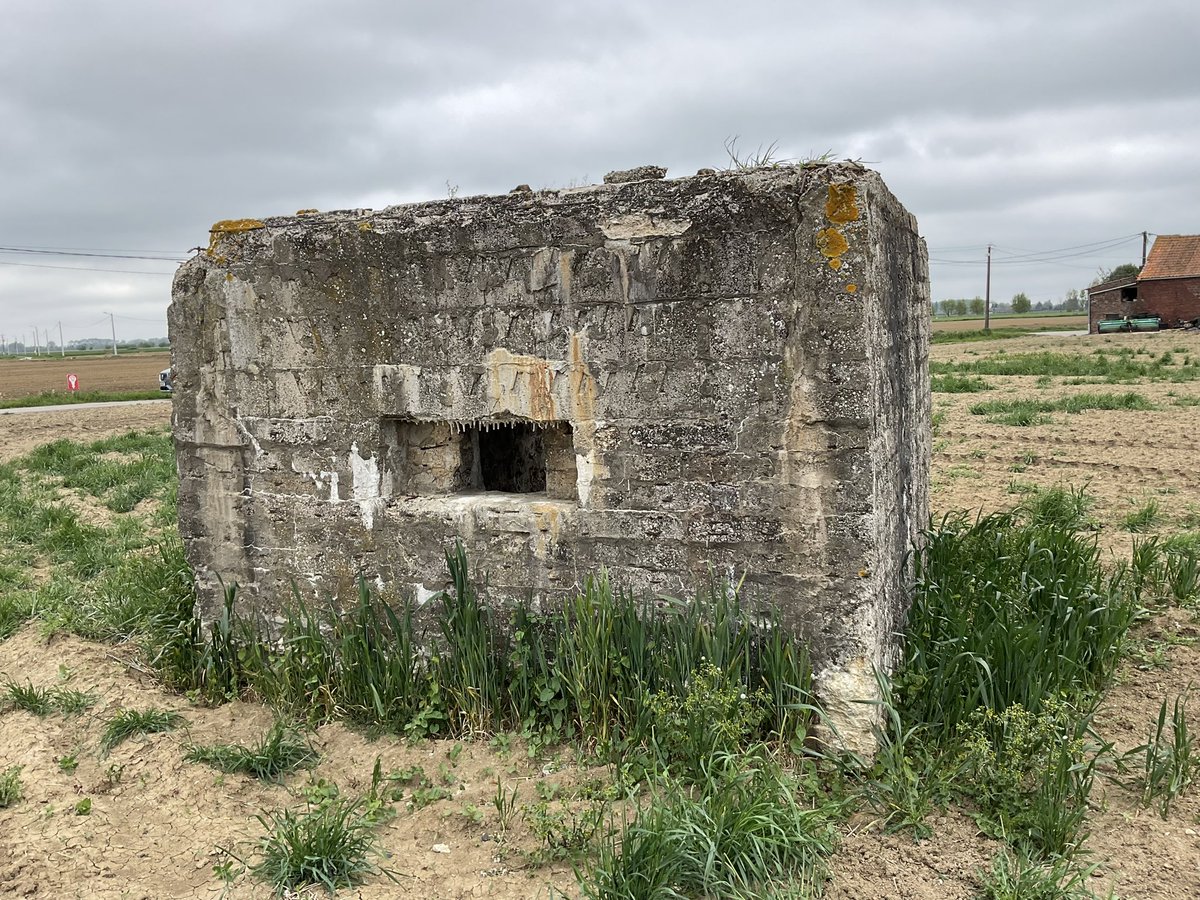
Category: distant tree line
[20,348]
[1074,301]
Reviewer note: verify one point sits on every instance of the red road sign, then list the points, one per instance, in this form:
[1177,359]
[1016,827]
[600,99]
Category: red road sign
[72,383]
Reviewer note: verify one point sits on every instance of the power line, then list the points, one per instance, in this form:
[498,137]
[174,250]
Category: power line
[82,268]
[99,255]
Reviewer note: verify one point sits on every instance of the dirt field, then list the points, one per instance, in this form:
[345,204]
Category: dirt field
[129,372]
[154,832]
[1063,322]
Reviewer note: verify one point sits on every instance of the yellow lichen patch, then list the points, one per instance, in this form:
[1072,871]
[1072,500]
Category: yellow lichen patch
[835,263]
[306,212]
[842,205]
[229,276]
[230,226]
[851,288]
[831,243]
[364,226]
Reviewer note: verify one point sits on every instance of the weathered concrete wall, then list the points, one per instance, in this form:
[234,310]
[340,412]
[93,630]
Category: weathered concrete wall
[727,371]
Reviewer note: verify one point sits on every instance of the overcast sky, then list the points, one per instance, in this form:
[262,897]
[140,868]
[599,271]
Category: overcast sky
[128,127]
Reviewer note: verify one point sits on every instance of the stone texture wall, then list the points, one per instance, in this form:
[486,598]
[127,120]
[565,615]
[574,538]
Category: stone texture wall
[725,371]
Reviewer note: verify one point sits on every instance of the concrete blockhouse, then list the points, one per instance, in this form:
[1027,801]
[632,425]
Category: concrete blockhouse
[659,377]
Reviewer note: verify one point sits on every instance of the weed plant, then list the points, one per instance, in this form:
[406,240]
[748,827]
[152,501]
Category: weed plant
[1168,763]
[1023,412]
[280,751]
[330,846]
[10,786]
[1142,519]
[740,830]
[1033,616]
[130,722]
[44,701]
[1016,876]
[958,384]
[1117,368]
[11,790]
[1031,775]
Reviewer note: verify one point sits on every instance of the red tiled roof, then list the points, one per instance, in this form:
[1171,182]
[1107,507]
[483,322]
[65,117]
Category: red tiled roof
[1172,256]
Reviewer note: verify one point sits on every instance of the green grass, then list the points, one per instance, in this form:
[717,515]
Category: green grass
[56,398]
[1023,412]
[1142,519]
[10,786]
[131,722]
[280,751]
[1169,762]
[44,701]
[1061,507]
[958,384]
[584,671]
[997,333]
[1016,876]
[1114,367]
[330,845]
[741,832]
[120,471]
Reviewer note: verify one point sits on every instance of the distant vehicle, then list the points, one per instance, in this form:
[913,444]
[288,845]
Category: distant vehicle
[164,381]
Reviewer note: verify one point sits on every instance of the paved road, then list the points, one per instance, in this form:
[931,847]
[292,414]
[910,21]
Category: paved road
[62,406]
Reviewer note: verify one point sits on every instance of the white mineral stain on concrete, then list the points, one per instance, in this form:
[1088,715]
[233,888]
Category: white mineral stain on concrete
[366,488]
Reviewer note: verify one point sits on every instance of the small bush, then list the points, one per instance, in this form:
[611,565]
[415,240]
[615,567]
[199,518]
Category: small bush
[1030,775]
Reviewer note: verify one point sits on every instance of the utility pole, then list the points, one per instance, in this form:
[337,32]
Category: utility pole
[113,322]
[37,347]
[61,345]
[1145,236]
[987,295]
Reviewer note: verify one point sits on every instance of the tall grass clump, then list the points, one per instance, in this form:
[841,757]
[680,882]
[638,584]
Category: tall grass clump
[739,832]
[958,384]
[1117,368]
[1009,612]
[280,751]
[130,722]
[1014,631]
[330,845]
[11,789]
[605,667]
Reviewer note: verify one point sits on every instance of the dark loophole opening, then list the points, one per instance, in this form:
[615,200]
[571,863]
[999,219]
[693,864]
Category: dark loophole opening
[512,458]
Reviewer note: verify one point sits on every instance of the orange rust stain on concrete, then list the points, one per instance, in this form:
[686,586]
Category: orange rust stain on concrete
[582,384]
[520,384]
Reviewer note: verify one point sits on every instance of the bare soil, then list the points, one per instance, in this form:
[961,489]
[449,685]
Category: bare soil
[127,372]
[158,826]
[1064,322]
